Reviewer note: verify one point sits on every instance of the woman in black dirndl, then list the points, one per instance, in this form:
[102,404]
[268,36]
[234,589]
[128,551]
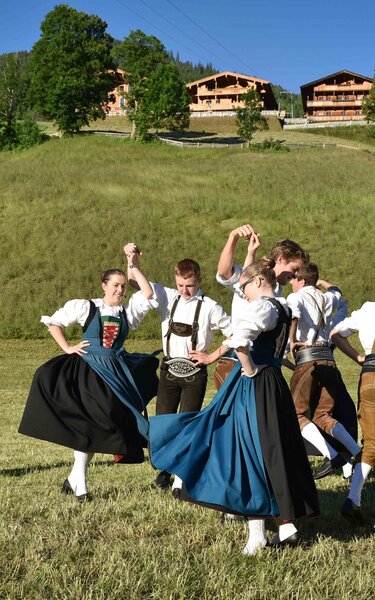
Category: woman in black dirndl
[91,399]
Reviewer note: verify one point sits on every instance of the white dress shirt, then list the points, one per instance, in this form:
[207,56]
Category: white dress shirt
[307,307]
[251,319]
[363,322]
[77,311]
[212,317]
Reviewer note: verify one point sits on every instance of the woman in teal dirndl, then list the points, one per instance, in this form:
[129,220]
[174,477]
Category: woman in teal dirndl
[244,454]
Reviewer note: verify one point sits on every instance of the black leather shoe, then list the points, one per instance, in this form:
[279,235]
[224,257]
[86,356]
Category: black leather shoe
[329,466]
[163,480]
[352,513]
[67,489]
[176,493]
[291,541]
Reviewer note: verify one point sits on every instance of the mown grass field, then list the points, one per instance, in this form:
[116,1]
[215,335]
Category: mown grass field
[133,541]
[67,207]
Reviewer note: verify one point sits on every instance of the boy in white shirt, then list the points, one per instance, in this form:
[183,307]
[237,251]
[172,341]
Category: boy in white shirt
[316,382]
[188,323]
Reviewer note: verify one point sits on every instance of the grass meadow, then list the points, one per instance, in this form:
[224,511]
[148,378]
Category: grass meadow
[133,541]
[67,207]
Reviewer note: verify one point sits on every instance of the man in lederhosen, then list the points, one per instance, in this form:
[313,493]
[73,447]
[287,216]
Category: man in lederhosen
[316,383]
[188,322]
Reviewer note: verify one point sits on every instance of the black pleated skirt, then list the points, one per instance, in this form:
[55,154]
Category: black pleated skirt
[70,404]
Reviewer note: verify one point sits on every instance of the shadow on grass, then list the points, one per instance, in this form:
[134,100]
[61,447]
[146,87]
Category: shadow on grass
[21,471]
[201,137]
[331,524]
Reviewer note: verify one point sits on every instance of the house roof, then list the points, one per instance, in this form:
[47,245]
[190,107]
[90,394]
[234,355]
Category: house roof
[216,75]
[335,74]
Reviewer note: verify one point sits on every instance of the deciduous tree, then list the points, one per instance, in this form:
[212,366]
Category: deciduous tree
[167,100]
[249,118]
[157,97]
[70,78]
[14,82]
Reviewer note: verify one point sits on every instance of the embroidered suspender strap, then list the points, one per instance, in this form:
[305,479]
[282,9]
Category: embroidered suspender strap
[195,326]
[183,328]
[168,334]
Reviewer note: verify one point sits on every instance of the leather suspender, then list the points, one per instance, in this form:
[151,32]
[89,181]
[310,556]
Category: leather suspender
[194,326]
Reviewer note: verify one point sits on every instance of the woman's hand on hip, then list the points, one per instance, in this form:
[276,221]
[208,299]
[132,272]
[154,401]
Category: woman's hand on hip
[78,348]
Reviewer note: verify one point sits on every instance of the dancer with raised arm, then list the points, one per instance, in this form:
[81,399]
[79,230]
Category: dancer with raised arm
[90,399]
[189,320]
[243,454]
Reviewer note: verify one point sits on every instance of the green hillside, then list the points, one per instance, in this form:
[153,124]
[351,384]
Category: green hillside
[69,205]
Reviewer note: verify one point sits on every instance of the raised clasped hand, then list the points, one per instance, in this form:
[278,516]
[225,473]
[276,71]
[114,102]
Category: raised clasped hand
[78,348]
[254,241]
[244,231]
[131,249]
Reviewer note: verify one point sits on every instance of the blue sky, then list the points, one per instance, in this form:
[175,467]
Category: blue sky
[287,42]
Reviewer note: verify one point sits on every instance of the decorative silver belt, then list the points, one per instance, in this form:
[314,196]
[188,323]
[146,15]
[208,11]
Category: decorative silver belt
[314,353]
[182,367]
[369,364]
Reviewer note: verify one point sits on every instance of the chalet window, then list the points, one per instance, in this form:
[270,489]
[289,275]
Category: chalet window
[342,113]
[320,98]
[328,113]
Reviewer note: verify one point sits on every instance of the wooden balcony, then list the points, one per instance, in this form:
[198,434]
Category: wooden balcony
[360,87]
[333,103]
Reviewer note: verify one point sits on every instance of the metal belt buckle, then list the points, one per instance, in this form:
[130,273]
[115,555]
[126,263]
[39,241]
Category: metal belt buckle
[182,367]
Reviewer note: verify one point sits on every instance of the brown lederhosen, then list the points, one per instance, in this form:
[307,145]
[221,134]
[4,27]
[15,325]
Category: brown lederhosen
[313,386]
[366,409]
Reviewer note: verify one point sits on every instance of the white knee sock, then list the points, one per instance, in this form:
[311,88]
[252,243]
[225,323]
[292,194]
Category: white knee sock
[360,473]
[312,434]
[257,537]
[77,477]
[339,433]
[177,483]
